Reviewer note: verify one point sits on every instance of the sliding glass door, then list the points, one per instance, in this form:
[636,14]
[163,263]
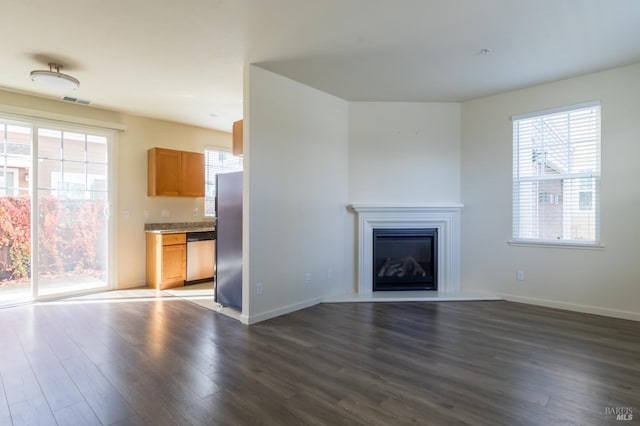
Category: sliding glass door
[63,245]
[72,208]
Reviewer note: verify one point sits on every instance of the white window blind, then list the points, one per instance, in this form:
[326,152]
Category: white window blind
[217,161]
[556,176]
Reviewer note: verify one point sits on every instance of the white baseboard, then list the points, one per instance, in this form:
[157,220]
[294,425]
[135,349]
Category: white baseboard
[406,296]
[615,313]
[587,309]
[252,319]
[124,286]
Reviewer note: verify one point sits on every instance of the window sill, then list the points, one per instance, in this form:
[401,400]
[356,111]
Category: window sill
[550,244]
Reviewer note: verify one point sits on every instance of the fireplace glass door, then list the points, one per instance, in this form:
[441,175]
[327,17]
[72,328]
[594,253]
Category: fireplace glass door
[405,259]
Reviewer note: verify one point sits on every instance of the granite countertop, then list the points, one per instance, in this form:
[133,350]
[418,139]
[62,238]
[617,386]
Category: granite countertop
[179,227]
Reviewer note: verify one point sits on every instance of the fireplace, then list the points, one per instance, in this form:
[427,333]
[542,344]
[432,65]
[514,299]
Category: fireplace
[405,259]
[443,218]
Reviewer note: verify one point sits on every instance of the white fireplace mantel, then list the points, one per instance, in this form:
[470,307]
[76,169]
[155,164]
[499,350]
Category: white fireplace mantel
[443,217]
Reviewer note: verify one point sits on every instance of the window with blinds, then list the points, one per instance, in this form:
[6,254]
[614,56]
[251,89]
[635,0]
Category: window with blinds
[215,162]
[556,176]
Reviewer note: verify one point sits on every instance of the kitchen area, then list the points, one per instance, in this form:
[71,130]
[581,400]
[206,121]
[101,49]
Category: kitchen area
[199,260]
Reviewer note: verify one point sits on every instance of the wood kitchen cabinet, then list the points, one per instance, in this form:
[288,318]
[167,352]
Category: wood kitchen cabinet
[166,260]
[175,173]
[192,174]
[237,136]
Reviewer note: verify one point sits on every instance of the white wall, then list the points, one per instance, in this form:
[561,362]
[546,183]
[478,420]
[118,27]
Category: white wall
[600,281]
[402,152]
[296,183]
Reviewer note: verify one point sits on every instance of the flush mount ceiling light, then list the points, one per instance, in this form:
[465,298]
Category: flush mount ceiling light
[54,79]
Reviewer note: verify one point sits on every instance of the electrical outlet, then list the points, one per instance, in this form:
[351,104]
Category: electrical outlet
[307,278]
[165,213]
[146,214]
[259,288]
[195,212]
[520,275]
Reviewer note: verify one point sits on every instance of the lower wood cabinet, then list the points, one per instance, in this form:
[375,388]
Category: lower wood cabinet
[166,260]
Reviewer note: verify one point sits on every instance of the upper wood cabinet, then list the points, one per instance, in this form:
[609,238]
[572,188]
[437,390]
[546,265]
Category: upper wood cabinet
[175,173]
[192,174]
[237,138]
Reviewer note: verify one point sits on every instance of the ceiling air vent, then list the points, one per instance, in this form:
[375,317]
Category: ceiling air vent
[76,100]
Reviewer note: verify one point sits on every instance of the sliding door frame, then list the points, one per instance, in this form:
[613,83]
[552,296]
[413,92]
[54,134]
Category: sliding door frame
[35,124]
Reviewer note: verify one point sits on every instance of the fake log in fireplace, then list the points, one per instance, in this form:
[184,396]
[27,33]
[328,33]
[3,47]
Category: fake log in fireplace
[405,259]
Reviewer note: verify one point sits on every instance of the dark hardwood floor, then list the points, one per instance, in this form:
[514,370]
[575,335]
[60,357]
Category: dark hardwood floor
[165,361]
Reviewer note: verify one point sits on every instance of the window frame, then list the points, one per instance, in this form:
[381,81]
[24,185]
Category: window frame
[579,176]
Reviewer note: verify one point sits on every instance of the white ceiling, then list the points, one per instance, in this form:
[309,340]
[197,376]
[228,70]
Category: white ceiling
[182,60]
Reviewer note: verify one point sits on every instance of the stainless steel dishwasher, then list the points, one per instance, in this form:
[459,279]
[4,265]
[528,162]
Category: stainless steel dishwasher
[200,256]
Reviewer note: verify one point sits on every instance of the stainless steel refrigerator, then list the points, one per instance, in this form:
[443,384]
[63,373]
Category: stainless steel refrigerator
[229,239]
